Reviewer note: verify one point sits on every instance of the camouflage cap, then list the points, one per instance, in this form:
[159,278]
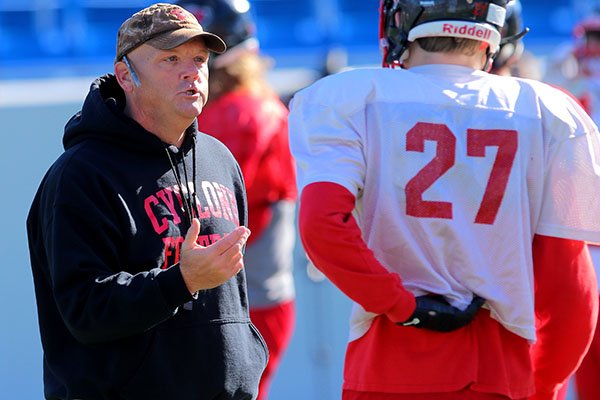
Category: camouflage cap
[163,26]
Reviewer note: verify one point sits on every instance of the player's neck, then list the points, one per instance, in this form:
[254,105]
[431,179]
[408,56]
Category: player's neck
[418,56]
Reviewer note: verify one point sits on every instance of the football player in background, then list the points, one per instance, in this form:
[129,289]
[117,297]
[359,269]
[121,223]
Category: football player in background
[576,66]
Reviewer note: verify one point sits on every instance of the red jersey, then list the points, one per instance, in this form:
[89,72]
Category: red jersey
[254,127]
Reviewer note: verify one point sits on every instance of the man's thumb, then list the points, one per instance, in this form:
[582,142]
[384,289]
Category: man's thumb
[192,234]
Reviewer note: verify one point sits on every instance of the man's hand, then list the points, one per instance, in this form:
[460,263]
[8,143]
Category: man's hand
[433,312]
[208,267]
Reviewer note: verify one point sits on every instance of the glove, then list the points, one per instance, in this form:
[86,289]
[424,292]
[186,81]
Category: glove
[433,312]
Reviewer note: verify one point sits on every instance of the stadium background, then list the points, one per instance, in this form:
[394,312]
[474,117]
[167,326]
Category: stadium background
[50,50]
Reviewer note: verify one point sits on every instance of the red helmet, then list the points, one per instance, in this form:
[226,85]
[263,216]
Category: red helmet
[587,25]
[587,34]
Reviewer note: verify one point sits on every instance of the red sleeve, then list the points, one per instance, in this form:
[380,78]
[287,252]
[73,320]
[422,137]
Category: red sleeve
[566,306]
[333,242]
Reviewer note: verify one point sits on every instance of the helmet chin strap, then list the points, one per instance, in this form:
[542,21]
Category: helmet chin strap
[487,67]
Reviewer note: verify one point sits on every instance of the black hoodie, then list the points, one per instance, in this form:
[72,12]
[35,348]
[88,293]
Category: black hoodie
[105,229]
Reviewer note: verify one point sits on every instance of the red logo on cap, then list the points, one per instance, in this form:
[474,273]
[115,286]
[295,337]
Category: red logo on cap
[178,13]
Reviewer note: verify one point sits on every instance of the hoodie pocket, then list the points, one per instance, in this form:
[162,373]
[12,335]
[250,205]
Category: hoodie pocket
[262,341]
[217,360]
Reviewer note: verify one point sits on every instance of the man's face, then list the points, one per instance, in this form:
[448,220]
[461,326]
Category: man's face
[174,83]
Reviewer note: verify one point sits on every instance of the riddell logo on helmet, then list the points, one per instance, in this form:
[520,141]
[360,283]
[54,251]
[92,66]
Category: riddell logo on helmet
[472,31]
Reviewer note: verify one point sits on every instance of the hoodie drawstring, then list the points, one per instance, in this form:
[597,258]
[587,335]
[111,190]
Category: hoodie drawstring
[188,199]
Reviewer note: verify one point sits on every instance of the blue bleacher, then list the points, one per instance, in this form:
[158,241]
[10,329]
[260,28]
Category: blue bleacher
[84,30]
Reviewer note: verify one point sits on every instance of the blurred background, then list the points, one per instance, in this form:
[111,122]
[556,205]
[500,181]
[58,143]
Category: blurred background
[51,50]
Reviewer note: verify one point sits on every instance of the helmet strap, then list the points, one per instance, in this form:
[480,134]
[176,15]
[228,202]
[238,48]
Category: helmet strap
[487,67]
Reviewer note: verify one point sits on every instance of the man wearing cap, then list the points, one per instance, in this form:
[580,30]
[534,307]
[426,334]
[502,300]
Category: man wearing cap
[137,231]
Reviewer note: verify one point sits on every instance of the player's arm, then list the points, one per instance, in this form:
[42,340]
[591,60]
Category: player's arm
[333,242]
[566,305]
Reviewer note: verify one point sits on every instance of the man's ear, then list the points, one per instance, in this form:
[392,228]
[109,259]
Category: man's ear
[124,77]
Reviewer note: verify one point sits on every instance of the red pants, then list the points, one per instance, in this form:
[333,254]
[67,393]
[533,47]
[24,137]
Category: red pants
[276,325]
[465,394]
[587,377]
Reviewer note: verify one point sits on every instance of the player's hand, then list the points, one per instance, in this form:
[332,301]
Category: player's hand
[433,312]
[206,267]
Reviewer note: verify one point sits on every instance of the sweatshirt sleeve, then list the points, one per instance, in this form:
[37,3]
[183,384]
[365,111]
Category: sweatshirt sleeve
[566,298]
[333,241]
[82,233]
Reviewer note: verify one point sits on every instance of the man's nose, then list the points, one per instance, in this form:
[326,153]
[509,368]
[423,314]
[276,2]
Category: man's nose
[191,70]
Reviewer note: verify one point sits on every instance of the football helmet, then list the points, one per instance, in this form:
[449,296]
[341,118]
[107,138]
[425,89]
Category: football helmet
[588,25]
[587,35]
[229,19]
[587,45]
[403,21]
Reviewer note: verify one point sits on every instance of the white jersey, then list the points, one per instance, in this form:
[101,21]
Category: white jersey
[454,171]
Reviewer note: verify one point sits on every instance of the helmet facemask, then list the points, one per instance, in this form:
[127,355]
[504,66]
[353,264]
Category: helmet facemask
[393,31]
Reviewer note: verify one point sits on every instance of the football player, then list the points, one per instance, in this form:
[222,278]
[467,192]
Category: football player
[452,206]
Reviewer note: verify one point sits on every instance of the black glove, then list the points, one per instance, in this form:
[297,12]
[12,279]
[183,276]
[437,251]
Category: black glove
[433,312]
